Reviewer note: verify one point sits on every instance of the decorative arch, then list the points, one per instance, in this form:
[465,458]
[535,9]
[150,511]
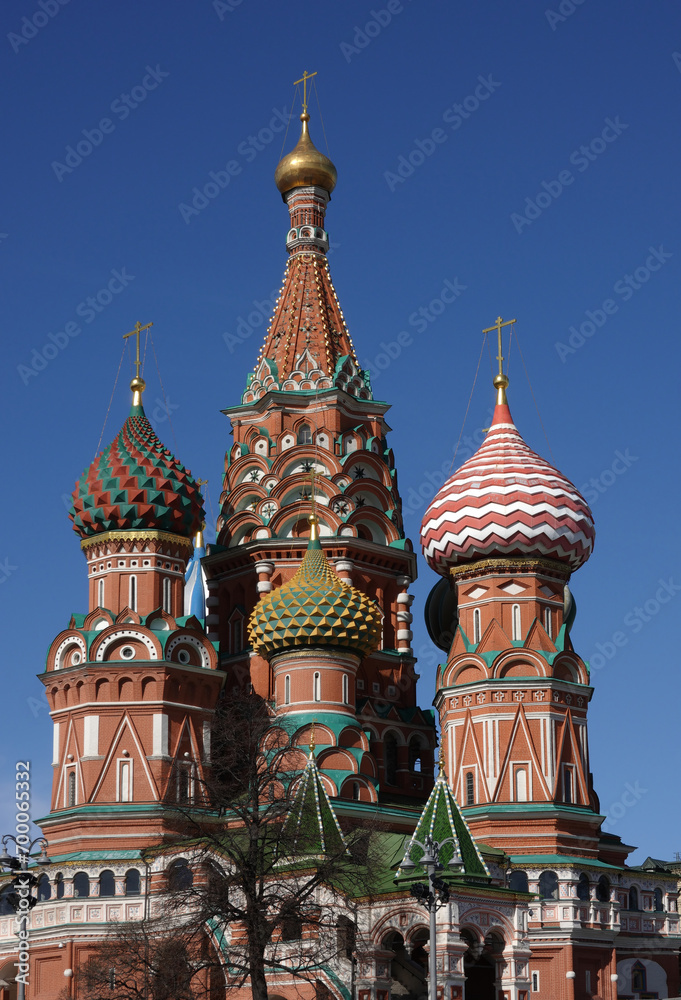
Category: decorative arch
[116,634]
[184,639]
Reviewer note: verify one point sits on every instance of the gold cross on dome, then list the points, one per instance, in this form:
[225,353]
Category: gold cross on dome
[497,326]
[136,333]
[304,78]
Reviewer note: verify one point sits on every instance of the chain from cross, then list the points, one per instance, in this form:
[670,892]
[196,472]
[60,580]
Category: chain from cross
[498,327]
[304,78]
[136,333]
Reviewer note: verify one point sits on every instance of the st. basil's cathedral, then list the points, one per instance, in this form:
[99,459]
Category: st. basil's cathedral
[304,600]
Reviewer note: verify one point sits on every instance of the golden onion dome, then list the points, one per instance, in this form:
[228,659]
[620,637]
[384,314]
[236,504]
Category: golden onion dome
[305,166]
[315,608]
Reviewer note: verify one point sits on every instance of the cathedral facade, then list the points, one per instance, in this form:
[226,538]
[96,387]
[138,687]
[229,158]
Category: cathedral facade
[303,599]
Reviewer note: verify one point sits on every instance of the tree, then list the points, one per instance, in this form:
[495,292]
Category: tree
[262,882]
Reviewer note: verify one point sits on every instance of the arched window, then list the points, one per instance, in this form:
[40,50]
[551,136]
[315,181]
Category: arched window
[345,937]
[59,880]
[633,898]
[346,690]
[521,784]
[548,885]
[415,754]
[317,687]
[132,593]
[583,888]
[355,791]
[100,593]
[167,594]
[125,781]
[515,620]
[304,435]
[81,884]
[44,888]
[132,882]
[476,625]
[568,785]
[71,788]
[390,751]
[518,881]
[639,978]
[470,789]
[287,689]
[107,883]
[548,622]
[180,875]
[603,889]
[236,632]
[658,900]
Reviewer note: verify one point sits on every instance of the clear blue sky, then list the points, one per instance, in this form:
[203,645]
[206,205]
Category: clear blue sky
[203,78]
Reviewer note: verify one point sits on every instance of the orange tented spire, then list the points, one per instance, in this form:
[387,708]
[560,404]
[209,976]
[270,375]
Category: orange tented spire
[307,346]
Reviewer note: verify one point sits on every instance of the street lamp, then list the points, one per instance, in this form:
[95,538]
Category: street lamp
[435,893]
[23,883]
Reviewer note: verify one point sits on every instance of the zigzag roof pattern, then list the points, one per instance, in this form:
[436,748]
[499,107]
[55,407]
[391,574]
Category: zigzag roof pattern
[506,501]
[136,482]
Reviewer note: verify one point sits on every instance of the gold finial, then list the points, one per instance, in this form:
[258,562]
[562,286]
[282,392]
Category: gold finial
[441,762]
[500,380]
[313,520]
[138,385]
[312,742]
[304,78]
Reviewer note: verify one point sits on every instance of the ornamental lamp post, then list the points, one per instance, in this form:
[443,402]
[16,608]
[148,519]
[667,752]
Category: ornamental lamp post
[21,899]
[434,894]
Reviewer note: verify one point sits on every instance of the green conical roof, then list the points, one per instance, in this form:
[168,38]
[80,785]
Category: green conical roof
[315,608]
[442,820]
[311,828]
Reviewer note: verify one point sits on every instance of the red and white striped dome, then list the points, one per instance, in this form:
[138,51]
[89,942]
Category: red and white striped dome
[506,501]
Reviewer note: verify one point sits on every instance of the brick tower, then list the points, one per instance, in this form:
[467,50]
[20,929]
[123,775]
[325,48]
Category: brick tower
[308,417]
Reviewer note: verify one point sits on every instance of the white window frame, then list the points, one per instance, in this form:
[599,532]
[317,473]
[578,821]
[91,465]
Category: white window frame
[122,762]
[569,770]
[477,625]
[534,982]
[287,689]
[522,766]
[548,622]
[317,686]
[132,593]
[100,593]
[167,595]
[346,690]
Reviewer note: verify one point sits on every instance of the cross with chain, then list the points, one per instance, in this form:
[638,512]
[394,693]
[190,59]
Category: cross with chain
[136,333]
[497,326]
[304,78]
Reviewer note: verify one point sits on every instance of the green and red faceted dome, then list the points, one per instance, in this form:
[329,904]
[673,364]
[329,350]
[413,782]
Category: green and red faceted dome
[506,501]
[136,483]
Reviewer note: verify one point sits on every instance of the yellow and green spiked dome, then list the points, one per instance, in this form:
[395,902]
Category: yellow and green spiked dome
[315,608]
